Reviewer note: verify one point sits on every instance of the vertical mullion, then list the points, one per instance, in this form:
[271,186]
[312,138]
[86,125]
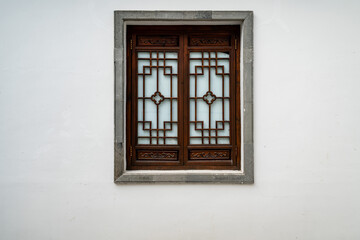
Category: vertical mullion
[202,71]
[223,95]
[183,92]
[171,100]
[238,100]
[232,78]
[209,69]
[134,103]
[157,90]
[143,100]
[150,52]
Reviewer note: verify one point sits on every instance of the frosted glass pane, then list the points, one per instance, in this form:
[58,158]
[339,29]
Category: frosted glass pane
[227,110]
[216,83]
[195,140]
[203,112]
[225,64]
[140,86]
[174,110]
[164,83]
[174,86]
[223,140]
[173,132]
[142,132]
[140,110]
[150,84]
[164,112]
[171,141]
[195,54]
[222,55]
[216,112]
[171,55]
[193,64]
[226,86]
[192,110]
[150,112]
[143,55]
[173,64]
[141,64]
[226,131]
[195,133]
[143,141]
[202,83]
[192,86]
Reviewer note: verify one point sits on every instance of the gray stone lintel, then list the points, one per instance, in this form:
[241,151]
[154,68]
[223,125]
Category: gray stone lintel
[246,175]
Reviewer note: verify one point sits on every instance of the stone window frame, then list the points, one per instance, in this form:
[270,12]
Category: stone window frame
[245,19]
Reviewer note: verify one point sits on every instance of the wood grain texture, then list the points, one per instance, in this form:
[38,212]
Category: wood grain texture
[157,155]
[209,41]
[156,41]
[209,154]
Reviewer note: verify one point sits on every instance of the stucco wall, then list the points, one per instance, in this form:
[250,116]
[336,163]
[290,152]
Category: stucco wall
[56,129]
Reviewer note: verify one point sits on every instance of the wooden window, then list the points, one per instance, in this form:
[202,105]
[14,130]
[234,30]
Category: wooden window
[183,97]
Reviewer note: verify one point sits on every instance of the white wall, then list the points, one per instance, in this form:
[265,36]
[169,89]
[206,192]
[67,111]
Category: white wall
[56,129]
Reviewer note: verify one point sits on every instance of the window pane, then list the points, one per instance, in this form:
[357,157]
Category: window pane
[209,92]
[157,98]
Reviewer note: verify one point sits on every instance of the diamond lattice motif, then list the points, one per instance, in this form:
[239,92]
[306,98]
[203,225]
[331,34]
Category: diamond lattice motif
[157,98]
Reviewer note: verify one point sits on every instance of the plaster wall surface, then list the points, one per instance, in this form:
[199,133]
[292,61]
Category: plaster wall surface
[56,129]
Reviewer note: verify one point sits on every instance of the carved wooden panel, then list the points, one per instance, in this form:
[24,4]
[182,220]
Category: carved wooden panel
[156,41]
[209,154]
[155,155]
[209,41]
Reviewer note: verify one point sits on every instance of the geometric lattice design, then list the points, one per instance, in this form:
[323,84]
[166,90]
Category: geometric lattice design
[157,105]
[209,97]
[157,98]
[209,100]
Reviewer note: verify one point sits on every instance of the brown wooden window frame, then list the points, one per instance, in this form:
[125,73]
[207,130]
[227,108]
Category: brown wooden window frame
[122,20]
[184,40]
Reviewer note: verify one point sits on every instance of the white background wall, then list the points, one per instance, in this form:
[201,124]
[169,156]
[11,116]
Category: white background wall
[56,129]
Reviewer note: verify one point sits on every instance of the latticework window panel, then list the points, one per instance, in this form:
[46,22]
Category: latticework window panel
[183,92]
[157,100]
[209,98]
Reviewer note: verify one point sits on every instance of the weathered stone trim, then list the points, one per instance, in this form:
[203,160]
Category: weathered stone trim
[246,175]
